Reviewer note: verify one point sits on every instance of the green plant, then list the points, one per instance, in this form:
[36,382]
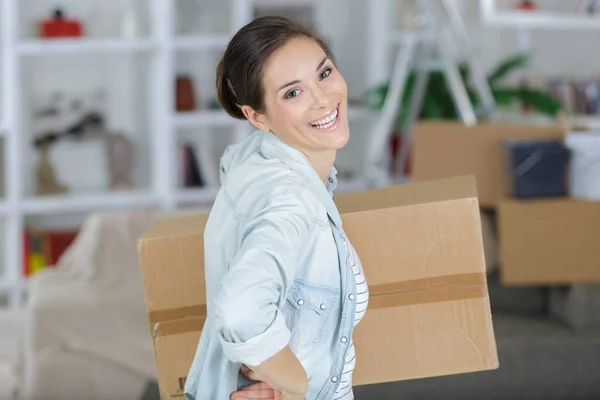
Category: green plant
[439,104]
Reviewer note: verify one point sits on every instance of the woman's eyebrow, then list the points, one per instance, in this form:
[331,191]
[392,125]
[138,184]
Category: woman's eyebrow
[298,81]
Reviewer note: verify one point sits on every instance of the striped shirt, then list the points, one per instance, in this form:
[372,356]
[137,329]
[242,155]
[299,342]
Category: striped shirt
[344,390]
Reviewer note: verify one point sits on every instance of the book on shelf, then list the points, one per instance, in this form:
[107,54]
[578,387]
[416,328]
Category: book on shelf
[43,248]
[578,97]
[197,166]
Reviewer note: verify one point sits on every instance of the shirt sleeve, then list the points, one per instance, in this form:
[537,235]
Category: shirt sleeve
[250,325]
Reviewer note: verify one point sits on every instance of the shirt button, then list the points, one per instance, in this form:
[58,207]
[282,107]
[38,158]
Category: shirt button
[323,306]
[331,180]
[344,339]
[334,379]
[351,296]
[300,302]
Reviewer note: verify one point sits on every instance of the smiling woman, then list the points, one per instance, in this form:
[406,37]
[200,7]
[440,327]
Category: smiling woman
[284,286]
[288,84]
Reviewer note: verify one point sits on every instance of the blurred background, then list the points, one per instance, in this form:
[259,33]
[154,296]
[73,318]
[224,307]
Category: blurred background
[109,121]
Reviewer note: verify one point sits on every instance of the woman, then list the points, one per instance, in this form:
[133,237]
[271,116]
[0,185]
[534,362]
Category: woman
[284,287]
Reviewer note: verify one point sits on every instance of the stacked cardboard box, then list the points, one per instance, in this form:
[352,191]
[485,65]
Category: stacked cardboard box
[542,242]
[422,252]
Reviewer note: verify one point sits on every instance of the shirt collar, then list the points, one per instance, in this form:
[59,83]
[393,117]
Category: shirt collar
[273,147]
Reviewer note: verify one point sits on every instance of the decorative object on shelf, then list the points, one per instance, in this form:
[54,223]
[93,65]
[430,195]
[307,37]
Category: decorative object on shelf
[121,161]
[184,93]
[60,26]
[59,120]
[214,104]
[62,115]
[47,182]
[526,5]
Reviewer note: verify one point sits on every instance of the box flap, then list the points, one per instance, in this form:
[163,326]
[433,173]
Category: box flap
[455,188]
[171,255]
[176,227]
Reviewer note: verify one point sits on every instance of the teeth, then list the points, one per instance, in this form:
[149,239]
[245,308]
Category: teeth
[326,122]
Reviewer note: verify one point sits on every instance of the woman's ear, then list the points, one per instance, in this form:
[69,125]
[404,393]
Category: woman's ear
[258,120]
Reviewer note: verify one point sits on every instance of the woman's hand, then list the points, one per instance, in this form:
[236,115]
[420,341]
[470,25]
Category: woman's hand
[259,390]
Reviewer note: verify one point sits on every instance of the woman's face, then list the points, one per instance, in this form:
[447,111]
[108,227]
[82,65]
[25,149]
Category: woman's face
[305,98]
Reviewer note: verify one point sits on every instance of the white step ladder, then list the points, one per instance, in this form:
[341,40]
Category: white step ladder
[445,37]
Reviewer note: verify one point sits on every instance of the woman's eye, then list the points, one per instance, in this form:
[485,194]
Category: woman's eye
[292,93]
[325,73]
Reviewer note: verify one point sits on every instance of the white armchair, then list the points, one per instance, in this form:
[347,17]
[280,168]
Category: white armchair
[86,329]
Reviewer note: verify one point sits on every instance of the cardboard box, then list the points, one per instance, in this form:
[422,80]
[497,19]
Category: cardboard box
[446,149]
[422,252]
[549,241]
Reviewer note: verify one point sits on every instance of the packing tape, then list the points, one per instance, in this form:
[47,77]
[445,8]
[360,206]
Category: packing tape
[433,283]
[177,327]
[177,313]
[407,293]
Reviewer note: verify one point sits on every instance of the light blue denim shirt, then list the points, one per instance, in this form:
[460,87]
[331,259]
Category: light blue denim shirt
[276,272]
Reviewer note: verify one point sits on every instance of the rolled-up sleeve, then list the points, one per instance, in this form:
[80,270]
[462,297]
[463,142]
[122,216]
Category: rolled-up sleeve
[250,325]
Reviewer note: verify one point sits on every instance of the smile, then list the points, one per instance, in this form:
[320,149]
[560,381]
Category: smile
[327,123]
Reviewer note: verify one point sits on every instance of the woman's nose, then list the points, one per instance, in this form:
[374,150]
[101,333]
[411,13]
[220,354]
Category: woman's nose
[320,97]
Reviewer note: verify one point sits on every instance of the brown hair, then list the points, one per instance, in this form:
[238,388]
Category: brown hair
[239,72]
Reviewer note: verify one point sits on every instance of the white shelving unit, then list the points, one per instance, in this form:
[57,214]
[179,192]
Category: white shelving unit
[40,47]
[551,16]
[161,47]
[494,16]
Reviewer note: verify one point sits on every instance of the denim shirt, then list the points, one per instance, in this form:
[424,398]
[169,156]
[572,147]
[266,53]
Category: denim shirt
[276,272]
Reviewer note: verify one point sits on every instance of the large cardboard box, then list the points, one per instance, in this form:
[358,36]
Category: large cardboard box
[446,149]
[422,252]
[549,241]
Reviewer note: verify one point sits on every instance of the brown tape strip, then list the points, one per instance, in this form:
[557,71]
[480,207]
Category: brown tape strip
[433,283]
[177,327]
[426,296]
[177,313]
[418,291]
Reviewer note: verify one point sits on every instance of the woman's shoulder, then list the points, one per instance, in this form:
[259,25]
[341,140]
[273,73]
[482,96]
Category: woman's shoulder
[259,181]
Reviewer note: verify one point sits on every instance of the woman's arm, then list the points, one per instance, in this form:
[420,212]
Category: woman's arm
[284,372]
[252,329]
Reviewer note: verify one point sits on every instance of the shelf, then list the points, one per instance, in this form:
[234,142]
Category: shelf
[88,202]
[284,3]
[201,42]
[541,20]
[196,119]
[34,47]
[200,196]
[590,121]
